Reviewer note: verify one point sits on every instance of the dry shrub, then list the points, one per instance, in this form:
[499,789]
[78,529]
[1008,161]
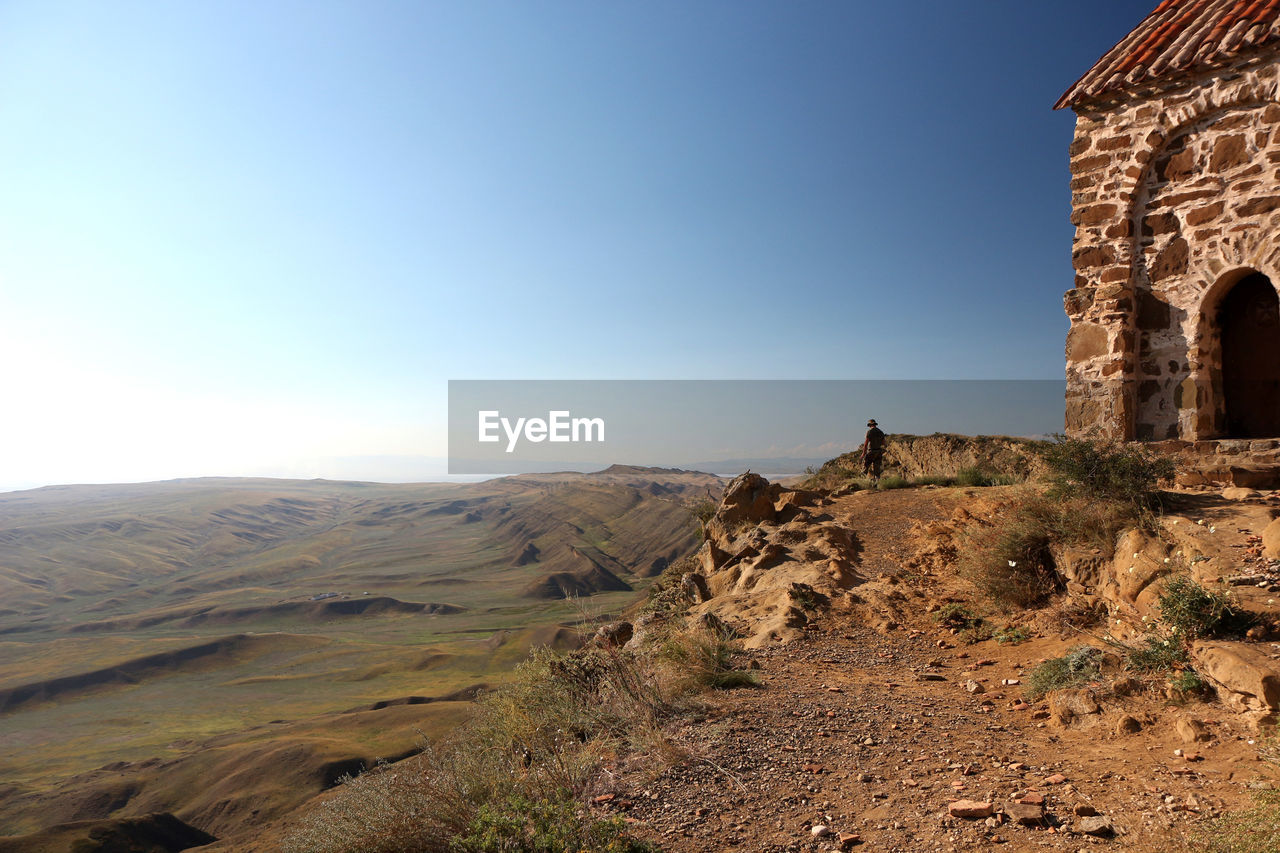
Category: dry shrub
[1079,666]
[513,777]
[702,659]
[1068,616]
[1106,471]
[1252,830]
[1010,558]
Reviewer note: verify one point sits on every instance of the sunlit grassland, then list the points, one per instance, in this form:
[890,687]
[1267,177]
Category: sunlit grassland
[154,638]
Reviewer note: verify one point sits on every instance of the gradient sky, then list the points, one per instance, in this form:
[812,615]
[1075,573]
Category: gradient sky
[255,238]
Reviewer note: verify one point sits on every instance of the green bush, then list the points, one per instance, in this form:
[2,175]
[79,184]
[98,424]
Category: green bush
[892,482]
[955,615]
[977,633]
[1156,653]
[1079,666]
[975,476]
[806,597]
[1188,612]
[1189,681]
[703,511]
[1193,611]
[1106,471]
[970,627]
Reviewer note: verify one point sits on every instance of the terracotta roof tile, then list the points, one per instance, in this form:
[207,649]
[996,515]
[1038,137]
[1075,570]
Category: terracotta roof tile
[1178,37]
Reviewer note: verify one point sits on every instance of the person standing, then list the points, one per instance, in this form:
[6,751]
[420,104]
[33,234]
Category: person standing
[873,451]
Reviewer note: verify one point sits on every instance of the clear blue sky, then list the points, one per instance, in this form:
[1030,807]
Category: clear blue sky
[248,237]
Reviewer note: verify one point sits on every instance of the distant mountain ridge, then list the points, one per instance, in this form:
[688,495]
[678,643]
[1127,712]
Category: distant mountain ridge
[769,466]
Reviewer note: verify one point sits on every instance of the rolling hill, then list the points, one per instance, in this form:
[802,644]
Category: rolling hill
[222,649]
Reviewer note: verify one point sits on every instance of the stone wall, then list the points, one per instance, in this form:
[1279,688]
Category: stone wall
[1175,198]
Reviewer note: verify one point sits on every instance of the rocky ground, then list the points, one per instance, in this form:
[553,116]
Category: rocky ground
[895,735]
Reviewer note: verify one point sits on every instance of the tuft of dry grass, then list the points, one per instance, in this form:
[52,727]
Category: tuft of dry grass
[514,778]
[1252,830]
[1011,560]
[702,659]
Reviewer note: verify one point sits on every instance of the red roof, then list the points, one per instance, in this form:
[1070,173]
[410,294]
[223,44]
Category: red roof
[1179,36]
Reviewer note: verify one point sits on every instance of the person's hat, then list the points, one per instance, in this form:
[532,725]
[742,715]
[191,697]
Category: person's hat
[871,422]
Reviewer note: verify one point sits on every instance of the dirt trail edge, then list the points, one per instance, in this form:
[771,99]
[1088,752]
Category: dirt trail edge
[865,739]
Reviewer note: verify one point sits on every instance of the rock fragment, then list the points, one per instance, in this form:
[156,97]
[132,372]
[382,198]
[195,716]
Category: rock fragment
[1191,730]
[1098,825]
[1127,725]
[614,634]
[1027,814]
[694,586]
[970,809]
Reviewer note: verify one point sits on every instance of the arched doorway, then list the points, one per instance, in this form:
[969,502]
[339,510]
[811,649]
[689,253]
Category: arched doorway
[1249,325]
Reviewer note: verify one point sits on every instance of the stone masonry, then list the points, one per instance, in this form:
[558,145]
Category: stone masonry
[1176,200]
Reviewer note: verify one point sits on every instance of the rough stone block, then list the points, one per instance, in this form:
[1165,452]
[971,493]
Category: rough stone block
[1120,230]
[1077,301]
[1171,261]
[1089,164]
[1181,164]
[1094,214]
[1086,341]
[1228,153]
[1115,143]
[1093,256]
[1159,223]
[1201,215]
[1245,678]
[970,809]
[1258,206]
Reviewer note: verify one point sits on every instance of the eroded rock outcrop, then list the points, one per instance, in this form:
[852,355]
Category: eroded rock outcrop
[945,455]
[769,555]
[1246,678]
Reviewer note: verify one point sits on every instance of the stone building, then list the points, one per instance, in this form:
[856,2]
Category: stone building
[1175,180]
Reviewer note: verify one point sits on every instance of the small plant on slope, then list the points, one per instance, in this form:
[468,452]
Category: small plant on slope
[1106,471]
[1193,611]
[1252,830]
[1079,666]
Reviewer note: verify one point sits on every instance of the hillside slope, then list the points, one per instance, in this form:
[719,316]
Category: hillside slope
[878,716]
[276,634]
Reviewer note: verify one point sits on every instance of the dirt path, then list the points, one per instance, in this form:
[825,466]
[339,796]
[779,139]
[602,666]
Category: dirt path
[882,522]
[875,734]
